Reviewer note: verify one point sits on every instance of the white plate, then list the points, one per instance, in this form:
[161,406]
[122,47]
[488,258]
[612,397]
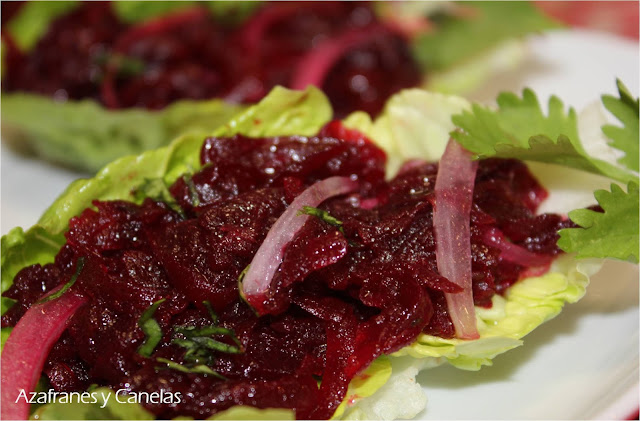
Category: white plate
[581,365]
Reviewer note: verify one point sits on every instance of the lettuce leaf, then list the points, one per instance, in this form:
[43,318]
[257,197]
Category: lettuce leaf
[33,19]
[364,385]
[20,249]
[137,11]
[106,407]
[479,27]
[250,413]
[86,136]
[401,397]
[415,124]
[528,304]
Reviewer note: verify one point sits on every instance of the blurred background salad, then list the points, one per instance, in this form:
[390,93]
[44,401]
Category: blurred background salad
[86,82]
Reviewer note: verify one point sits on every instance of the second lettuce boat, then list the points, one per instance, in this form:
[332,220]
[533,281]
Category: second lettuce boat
[453,46]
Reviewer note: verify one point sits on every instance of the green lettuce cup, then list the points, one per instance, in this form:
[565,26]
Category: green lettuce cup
[415,123]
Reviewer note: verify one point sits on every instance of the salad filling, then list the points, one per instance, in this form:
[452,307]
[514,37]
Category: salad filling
[161,281]
[342,47]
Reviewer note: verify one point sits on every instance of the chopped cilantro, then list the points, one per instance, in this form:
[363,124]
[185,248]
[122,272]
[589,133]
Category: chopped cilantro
[69,284]
[199,345]
[198,369]
[193,192]
[322,215]
[212,314]
[151,329]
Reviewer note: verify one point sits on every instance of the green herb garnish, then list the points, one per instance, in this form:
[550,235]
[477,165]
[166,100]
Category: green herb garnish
[212,314]
[322,215]
[197,339]
[74,278]
[124,66]
[198,369]
[200,338]
[151,329]
[199,345]
[193,192]
[157,190]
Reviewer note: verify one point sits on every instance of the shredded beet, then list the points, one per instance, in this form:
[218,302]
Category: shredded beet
[352,283]
[191,54]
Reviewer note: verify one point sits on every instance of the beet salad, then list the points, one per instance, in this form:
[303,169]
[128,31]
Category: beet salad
[91,52]
[279,271]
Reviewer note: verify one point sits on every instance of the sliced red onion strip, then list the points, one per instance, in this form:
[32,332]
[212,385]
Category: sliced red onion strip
[27,348]
[513,252]
[257,280]
[313,67]
[411,165]
[451,221]
[254,30]
[369,203]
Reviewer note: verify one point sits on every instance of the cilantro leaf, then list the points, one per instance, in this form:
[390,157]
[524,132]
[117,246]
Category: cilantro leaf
[612,233]
[518,128]
[626,137]
[515,120]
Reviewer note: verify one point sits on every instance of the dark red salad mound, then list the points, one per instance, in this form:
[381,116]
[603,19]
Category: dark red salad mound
[341,47]
[343,295]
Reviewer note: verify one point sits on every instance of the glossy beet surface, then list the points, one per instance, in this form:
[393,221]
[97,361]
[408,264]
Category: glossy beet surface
[191,54]
[341,297]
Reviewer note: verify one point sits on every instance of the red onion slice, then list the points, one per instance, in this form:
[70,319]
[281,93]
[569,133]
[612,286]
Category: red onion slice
[451,221]
[257,280]
[513,252]
[27,348]
[255,29]
[410,165]
[314,66]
